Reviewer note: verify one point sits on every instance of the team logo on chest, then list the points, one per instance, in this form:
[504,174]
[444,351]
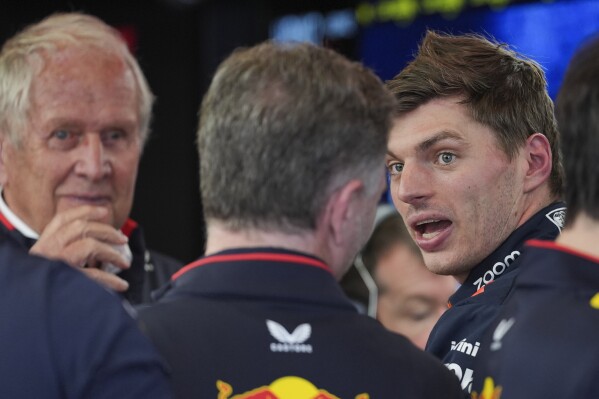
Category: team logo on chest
[290,342]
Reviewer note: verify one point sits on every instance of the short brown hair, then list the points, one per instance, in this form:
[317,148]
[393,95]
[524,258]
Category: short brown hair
[502,90]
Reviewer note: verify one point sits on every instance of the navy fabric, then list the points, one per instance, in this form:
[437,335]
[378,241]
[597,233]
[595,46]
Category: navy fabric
[149,270]
[63,336]
[455,339]
[267,320]
[544,343]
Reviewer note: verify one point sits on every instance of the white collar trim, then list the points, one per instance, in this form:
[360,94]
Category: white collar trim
[16,221]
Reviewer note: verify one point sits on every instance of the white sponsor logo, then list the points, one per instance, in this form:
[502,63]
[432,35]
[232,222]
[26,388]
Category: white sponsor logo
[497,270]
[464,377]
[502,329]
[465,347]
[290,342]
[557,217]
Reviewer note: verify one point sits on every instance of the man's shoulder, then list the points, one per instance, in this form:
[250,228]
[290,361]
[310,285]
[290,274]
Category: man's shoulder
[70,327]
[512,351]
[293,339]
[34,280]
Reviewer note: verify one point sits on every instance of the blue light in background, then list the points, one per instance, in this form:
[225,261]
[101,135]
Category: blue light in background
[314,27]
[548,32]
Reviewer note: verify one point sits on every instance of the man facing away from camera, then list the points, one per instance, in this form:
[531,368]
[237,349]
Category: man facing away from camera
[291,142]
[475,171]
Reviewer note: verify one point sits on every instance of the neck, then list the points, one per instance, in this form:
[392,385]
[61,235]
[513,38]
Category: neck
[220,238]
[581,235]
[534,203]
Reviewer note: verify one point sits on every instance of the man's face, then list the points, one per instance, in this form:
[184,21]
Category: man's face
[456,189]
[411,298]
[82,144]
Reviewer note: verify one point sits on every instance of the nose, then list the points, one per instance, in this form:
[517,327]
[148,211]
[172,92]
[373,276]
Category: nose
[413,186]
[92,162]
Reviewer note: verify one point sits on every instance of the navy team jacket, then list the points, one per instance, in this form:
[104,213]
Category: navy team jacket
[149,270]
[456,337]
[544,344]
[267,323]
[63,336]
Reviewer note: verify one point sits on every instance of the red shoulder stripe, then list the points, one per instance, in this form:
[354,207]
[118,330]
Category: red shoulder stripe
[265,257]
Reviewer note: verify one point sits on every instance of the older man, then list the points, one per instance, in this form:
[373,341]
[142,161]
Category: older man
[74,114]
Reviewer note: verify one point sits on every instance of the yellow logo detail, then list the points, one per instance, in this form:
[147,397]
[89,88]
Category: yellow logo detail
[490,391]
[595,301]
[290,387]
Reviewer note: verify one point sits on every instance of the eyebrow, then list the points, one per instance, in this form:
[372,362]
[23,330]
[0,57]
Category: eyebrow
[428,143]
[443,135]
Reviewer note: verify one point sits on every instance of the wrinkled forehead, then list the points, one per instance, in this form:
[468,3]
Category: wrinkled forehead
[86,86]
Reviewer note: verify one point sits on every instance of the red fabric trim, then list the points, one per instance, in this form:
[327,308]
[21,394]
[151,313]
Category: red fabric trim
[562,248]
[6,223]
[128,227]
[259,256]
[479,291]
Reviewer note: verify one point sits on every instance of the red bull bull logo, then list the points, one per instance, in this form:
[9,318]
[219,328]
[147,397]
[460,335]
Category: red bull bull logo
[490,391]
[289,387]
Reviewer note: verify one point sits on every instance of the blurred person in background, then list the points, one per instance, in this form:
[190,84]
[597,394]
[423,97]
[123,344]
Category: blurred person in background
[410,297]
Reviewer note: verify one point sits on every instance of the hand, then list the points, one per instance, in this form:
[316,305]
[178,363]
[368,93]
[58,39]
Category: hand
[79,237]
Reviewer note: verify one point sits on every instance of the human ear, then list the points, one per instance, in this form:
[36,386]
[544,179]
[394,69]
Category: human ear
[539,161]
[341,208]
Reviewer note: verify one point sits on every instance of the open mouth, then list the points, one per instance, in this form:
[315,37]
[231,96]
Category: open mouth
[430,228]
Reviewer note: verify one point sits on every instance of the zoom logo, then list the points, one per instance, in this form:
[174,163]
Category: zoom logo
[497,270]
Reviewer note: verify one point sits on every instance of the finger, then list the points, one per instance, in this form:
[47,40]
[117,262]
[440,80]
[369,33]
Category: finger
[52,244]
[92,252]
[97,230]
[85,212]
[108,280]
[87,251]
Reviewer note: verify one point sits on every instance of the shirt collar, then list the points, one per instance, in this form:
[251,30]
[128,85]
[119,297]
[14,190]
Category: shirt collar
[258,273]
[16,221]
[545,224]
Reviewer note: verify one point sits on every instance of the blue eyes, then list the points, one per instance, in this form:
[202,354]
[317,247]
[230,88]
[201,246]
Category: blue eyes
[66,139]
[442,159]
[446,158]
[61,134]
[395,168]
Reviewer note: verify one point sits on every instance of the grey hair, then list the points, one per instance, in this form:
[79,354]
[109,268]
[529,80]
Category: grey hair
[22,58]
[281,128]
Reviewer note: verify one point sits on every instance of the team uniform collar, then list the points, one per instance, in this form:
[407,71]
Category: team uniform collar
[258,273]
[545,225]
[562,267]
[12,221]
